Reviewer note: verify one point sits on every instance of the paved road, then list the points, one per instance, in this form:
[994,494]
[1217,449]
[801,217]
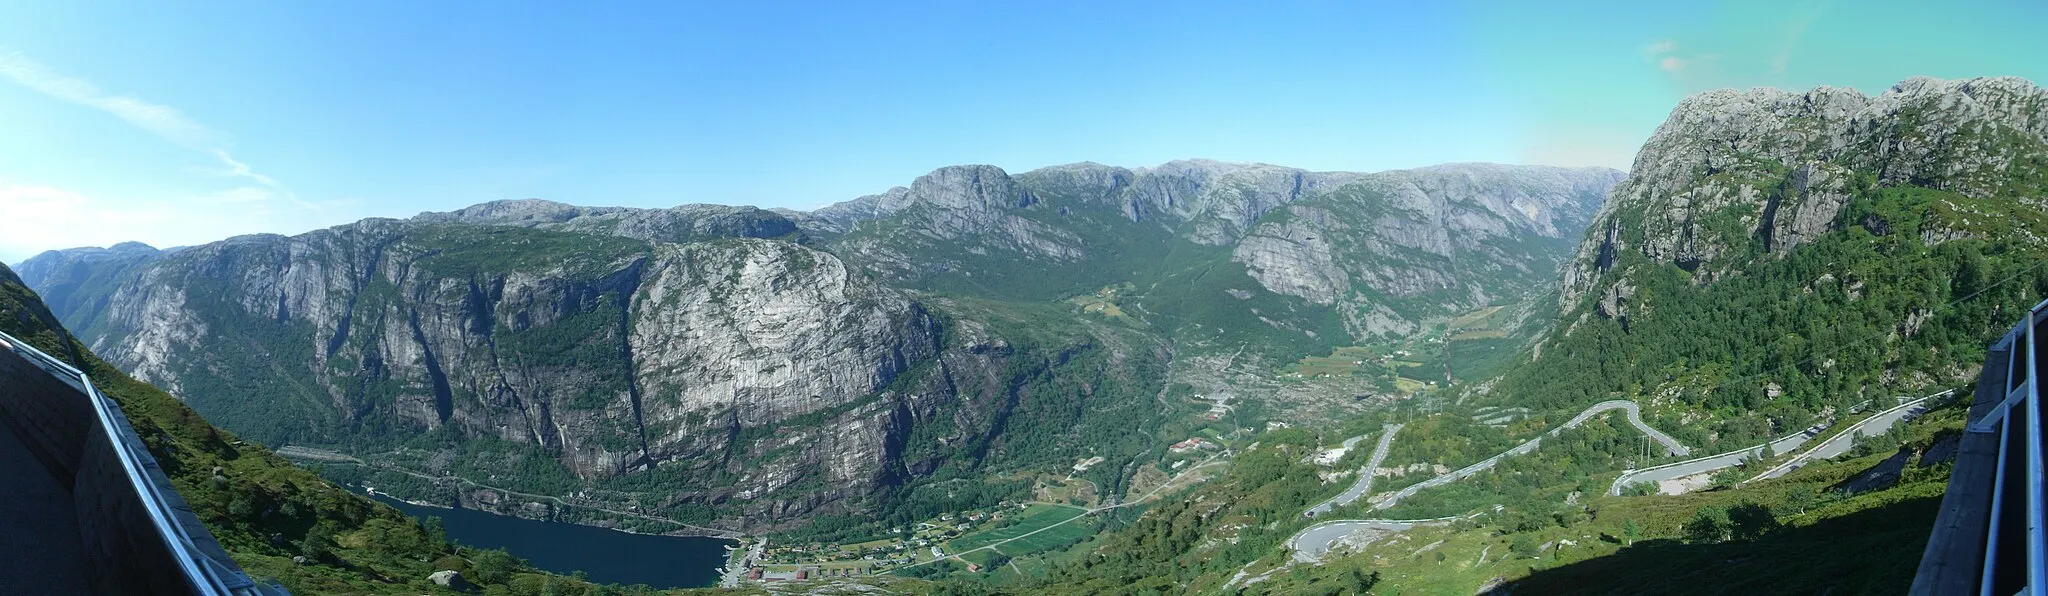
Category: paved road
[1365,475]
[1635,418]
[1841,443]
[323,455]
[737,564]
[1709,464]
[1084,513]
[1313,541]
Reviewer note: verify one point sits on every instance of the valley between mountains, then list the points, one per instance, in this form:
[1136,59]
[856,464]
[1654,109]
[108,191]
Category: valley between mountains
[751,370]
[1137,380]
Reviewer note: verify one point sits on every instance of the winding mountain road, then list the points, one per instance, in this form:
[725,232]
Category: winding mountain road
[1839,444]
[1365,474]
[1635,418]
[1674,471]
[1834,446]
[1312,542]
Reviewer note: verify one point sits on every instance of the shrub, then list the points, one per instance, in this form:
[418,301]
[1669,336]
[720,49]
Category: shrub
[1709,525]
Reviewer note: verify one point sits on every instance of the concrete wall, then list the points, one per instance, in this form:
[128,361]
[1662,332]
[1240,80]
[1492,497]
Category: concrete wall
[56,420]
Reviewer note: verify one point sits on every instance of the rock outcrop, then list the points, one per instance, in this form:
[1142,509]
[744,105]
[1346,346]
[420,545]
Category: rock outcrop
[1367,247]
[686,223]
[1766,170]
[760,376]
[1433,240]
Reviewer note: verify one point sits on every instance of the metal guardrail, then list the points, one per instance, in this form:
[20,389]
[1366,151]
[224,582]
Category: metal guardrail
[2017,493]
[1854,430]
[1993,542]
[197,556]
[1621,482]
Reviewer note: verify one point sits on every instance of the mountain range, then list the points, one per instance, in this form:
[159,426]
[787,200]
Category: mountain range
[755,365]
[1772,260]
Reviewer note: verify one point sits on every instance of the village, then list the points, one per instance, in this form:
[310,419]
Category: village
[941,537]
[911,544]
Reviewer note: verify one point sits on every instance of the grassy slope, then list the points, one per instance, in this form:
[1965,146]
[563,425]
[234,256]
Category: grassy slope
[1862,543]
[1827,541]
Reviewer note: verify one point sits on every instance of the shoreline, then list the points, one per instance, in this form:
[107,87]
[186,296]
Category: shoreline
[721,568]
[378,493]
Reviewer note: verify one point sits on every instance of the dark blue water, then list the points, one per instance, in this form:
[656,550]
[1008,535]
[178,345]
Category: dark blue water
[607,556]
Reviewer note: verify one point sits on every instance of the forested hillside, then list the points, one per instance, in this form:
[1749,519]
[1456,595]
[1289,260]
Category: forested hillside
[1841,248]
[1775,261]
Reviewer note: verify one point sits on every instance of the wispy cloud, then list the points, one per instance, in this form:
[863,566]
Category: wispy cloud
[1662,54]
[42,217]
[1793,32]
[1665,55]
[163,121]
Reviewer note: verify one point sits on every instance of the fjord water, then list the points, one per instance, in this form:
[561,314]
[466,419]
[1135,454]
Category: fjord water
[607,556]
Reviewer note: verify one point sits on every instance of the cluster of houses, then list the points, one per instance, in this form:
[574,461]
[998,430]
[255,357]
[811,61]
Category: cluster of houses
[1191,444]
[807,572]
[809,559]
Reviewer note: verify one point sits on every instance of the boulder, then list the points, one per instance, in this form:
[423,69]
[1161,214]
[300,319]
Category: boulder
[452,580]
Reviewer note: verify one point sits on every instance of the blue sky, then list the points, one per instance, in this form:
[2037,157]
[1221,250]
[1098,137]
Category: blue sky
[177,124]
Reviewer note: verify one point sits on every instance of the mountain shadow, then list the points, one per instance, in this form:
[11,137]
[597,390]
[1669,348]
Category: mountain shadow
[1873,551]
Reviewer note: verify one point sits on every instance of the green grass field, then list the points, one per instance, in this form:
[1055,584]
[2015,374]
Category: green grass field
[1038,516]
[1475,318]
[1050,539]
[1342,361]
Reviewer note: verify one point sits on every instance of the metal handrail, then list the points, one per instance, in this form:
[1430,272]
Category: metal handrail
[2037,541]
[206,574]
[2003,422]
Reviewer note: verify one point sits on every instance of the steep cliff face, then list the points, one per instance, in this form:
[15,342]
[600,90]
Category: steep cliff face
[73,281]
[1768,170]
[1380,252]
[1775,257]
[260,508]
[1433,240]
[760,376]
[759,364]
[1220,199]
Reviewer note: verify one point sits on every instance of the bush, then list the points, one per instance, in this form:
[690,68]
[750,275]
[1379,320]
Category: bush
[1709,525]
[495,566]
[1750,521]
[1524,547]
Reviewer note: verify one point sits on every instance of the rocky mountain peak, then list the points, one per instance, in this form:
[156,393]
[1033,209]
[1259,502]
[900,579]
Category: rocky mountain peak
[132,247]
[682,223]
[968,187]
[1730,167]
[1201,168]
[511,212]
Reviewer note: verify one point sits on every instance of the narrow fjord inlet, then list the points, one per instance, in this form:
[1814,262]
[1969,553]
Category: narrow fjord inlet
[603,555]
